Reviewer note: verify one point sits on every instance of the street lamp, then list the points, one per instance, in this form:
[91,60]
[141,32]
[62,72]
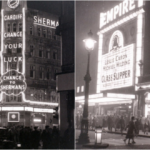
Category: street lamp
[89,45]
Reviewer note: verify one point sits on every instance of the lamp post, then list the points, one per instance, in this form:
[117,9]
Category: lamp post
[89,45]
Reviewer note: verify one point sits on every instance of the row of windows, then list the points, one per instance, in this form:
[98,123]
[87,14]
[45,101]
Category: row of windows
[44,32]
[43,75]
[13,65]
[41,53]
[14,27]
[13,98]
[41,32]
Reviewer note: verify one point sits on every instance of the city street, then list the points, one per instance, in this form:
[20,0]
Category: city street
[115,141]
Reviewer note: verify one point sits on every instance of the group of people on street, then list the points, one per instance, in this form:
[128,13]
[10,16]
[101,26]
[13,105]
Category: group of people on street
[116,122]
[33,138]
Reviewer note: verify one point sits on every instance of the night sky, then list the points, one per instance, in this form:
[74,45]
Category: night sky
[53,7]
[87,18]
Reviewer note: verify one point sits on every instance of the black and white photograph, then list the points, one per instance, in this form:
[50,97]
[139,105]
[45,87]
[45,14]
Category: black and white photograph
[112,74]
[74,74]
[37,74]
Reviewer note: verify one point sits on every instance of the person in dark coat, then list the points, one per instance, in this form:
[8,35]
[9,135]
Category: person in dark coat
[121,124]
[35,138]
[109,121]
[47,138]
[131,131]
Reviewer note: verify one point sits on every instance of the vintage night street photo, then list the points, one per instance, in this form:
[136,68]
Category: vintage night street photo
[37,74]
[112,74]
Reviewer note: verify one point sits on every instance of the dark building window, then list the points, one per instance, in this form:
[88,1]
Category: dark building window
[32,71]
[41,72]
[18,50]
[20,67]
[48,74]
[8,27]
[44,32]
[41,51]
[54,37]
[13,66]
[54,55]
[20,27]
[49,34]
[31,31]
[54,74]
[31,50]
[14,27]
[48,54]
[39,31]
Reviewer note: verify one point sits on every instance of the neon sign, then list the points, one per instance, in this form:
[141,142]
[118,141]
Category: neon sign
[13,46]
[13,83]
[12,59]
[45,22]
[13,34]
[13,17]
[12,3]
[118,11]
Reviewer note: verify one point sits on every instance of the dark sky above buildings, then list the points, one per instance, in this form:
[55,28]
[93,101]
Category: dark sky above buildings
[53,7]
[87,18]
[46,6]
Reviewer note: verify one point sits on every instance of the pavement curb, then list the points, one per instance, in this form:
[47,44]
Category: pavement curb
[146,136]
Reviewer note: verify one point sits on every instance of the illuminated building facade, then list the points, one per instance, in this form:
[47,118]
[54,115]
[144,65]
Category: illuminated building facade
[122,85]
[30,58]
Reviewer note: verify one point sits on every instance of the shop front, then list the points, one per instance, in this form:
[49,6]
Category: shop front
[26,116]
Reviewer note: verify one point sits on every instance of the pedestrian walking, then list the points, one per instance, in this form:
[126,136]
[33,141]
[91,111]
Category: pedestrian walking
[131,131]
[146,126]
[109,121]
[121,124]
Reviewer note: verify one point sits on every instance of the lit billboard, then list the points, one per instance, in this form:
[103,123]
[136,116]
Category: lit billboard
[117,68]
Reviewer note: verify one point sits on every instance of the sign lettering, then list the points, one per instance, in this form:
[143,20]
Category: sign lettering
[117,68]
[118,11]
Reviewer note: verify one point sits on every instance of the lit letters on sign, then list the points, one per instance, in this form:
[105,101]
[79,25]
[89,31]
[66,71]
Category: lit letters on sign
[117,68]
[12,3]
[13,46]
[13,83]
[13,34]
[12,17]
[12,59]
[45,22]
[118,11]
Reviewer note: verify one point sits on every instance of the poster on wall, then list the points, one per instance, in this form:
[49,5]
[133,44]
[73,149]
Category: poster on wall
[117,68]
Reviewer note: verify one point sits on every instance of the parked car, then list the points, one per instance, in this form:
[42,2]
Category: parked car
[4,142]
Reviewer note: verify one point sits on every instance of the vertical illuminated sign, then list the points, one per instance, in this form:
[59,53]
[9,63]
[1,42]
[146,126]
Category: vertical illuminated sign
[2,46]
[12,81]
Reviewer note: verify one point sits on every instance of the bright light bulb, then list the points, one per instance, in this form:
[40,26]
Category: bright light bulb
[89,44]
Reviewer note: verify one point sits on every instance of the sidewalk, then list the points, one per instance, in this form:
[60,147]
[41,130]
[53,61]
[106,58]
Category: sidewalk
[141,134]
[115,141]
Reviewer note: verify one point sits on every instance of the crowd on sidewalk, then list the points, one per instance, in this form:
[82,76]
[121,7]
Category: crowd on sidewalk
[116,122]
[34,137]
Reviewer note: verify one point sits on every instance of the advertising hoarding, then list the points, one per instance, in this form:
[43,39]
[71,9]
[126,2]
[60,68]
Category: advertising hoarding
[117,68]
